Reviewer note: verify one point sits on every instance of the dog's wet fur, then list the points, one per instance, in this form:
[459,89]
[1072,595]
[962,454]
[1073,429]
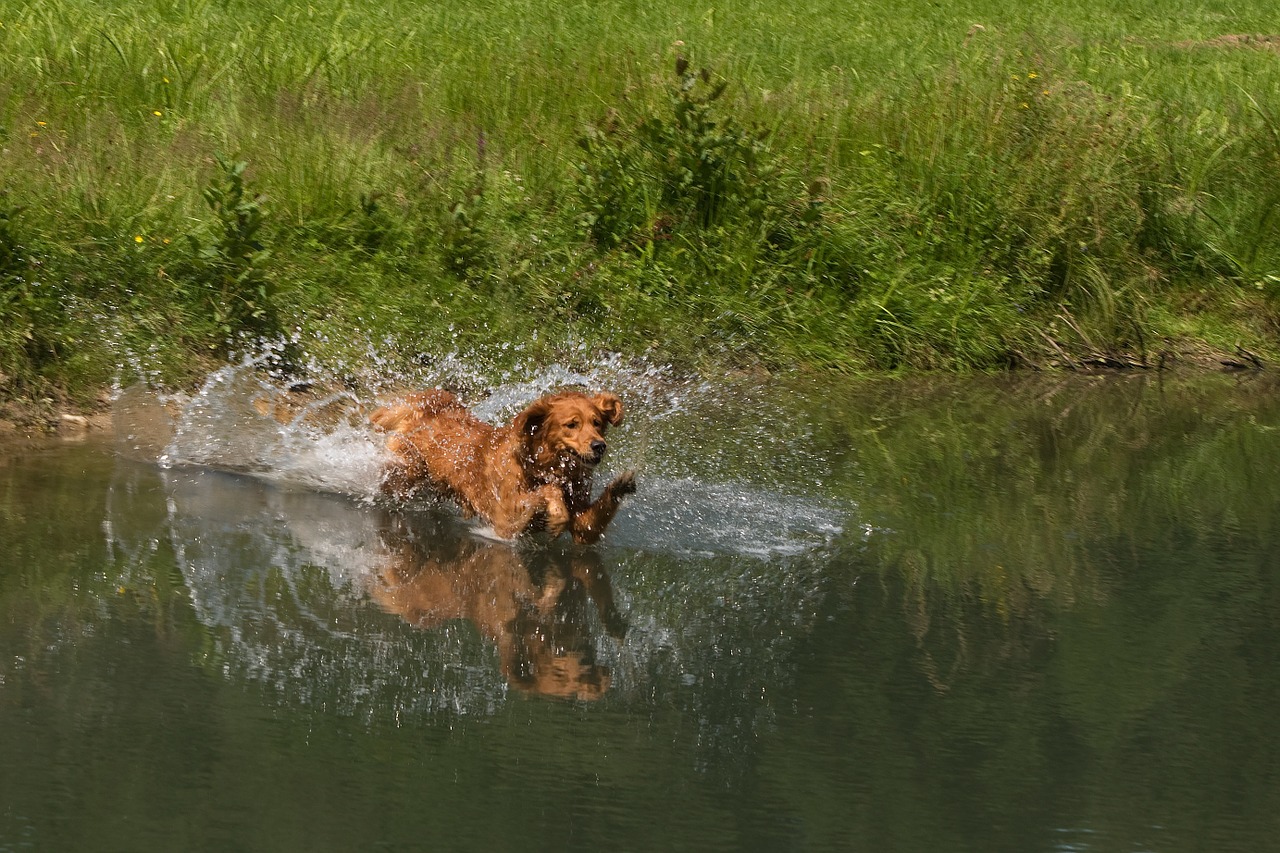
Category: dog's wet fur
[534,473]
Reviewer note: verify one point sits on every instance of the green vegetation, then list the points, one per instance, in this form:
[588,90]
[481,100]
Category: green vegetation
[863,188]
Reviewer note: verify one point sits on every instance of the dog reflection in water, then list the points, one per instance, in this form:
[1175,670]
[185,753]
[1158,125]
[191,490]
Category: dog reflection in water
[535,607]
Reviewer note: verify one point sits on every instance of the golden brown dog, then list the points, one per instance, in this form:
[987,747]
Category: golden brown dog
[534,473]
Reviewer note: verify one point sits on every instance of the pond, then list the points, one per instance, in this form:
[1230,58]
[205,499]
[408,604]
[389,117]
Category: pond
[1014,613]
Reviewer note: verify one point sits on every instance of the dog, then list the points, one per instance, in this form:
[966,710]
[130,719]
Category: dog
[532,474]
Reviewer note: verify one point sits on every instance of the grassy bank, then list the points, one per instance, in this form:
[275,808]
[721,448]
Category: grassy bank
[863,188]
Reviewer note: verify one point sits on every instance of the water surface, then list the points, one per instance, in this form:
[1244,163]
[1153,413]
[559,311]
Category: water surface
[999,614]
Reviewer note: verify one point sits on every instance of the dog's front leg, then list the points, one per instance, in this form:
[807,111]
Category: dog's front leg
[515,516]
[542,509]
[589,524]
[556,510]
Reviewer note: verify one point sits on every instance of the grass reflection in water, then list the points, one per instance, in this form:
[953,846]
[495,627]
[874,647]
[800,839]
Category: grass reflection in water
[999,614]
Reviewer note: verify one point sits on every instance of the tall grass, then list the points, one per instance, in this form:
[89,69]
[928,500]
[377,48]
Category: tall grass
[864,188]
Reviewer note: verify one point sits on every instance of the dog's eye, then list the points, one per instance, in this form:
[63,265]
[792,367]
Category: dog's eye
[597,423]
[571,425]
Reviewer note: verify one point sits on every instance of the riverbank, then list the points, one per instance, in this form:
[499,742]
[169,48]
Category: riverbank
[813,187]
[25,419]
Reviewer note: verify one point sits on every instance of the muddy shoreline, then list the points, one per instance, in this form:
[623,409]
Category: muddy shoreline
[26,418]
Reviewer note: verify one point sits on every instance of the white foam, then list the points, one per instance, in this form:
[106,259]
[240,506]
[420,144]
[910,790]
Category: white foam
[690,516]
[678,508]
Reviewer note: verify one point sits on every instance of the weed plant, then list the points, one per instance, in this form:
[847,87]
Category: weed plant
[862,188]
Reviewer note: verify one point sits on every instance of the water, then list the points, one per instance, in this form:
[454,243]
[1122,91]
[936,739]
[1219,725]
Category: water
[1004,614]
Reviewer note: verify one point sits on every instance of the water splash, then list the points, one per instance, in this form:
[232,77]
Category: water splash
[722,469]
[689,516]
[718,561]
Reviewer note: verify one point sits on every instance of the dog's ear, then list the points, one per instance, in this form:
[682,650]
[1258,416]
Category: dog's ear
[611,407]
[528,422]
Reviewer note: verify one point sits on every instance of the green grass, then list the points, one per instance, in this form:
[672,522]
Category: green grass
[954,187]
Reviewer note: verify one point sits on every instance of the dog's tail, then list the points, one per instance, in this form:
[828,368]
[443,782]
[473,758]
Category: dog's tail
[413,408]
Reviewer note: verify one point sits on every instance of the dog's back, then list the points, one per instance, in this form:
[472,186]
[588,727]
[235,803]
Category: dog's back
[414,411]
[437,442]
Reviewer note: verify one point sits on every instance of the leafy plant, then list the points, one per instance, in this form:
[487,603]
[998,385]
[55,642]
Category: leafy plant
[32,320]
[694,163]
[373,226]
[465,248]
[15,318]
[614,192]
[230,264]
[709,165]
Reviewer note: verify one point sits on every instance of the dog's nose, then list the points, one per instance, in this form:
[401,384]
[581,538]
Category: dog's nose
[598,448]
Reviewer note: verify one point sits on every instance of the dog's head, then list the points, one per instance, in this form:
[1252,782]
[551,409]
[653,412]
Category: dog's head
[569,426]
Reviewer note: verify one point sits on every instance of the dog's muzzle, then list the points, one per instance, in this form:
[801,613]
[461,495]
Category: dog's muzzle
[597,452]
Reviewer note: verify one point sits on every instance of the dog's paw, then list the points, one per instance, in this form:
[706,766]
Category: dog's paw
[623,484]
